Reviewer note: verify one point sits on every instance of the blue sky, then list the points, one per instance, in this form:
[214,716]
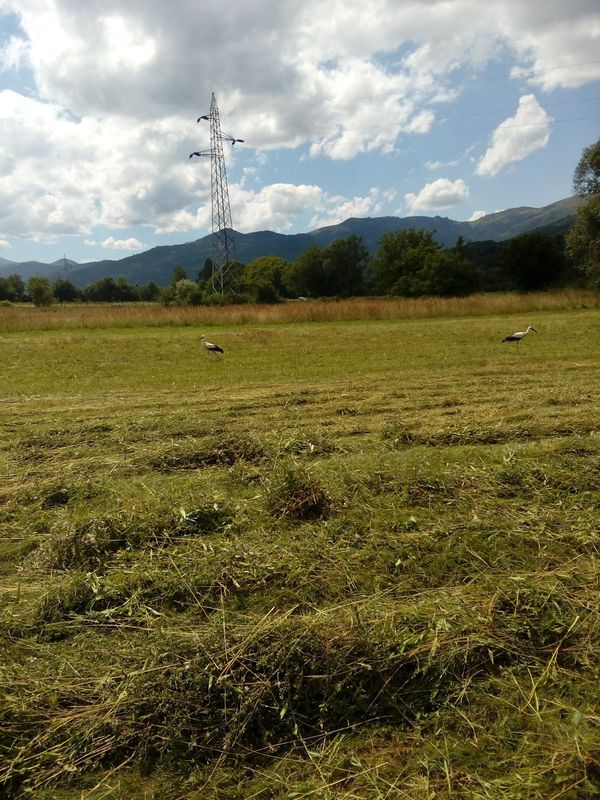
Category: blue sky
[420,107]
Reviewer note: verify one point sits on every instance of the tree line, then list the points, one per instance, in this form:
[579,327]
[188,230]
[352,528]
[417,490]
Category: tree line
[407,263]
[43,292]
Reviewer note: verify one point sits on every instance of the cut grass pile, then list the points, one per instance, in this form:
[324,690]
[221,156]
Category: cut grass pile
[345,560]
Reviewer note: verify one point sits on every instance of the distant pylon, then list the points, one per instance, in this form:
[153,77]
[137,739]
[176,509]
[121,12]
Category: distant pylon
[223,246]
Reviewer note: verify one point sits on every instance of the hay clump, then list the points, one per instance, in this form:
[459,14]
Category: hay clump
[294,494]
[223,452]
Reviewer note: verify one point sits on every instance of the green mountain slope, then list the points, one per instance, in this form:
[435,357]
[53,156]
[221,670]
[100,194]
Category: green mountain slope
[158,263]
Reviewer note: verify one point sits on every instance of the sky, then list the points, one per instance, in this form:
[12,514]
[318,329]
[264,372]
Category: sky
[457,108]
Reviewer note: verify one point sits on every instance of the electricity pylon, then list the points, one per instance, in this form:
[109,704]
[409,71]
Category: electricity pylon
[223,245]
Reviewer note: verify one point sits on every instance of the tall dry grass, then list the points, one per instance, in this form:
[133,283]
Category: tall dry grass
[109,315]
[99,315]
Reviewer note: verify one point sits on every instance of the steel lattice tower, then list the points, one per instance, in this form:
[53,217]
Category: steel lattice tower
[223,245]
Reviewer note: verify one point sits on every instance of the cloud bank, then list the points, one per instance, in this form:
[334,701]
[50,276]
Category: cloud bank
[103,136]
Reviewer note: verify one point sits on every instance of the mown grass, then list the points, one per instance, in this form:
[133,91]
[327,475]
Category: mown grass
[347,559]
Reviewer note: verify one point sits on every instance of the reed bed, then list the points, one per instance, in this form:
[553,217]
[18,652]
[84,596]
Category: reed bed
[113,315]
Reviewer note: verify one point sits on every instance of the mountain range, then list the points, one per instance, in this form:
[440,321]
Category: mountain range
[158,263]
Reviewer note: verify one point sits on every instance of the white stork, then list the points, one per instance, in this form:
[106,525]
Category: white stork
[209,346]
[516,337]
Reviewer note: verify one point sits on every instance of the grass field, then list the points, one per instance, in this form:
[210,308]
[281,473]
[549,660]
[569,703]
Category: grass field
[350,558]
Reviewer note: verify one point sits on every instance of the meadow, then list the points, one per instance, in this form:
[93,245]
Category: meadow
[355,557]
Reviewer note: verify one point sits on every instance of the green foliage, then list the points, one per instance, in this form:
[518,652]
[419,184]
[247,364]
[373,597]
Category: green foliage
[210,298]
[206,271]
[333,271]
[65,291]
[304,278]
[109,290]
[399,259]
[586,179]
[534,261]
[179,274]
[149,293]
[344,264]
[12,288]
[186,293]
[447,274]
[263,279]
[229,278]
[40,291]
[583,240]
[411,263]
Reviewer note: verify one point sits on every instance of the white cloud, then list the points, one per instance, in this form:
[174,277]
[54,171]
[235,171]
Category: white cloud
[440,194]
[340,209]
[4,244]
[274,207]
[516,137]
[122,244]
[560,54]
[64,176]
[433,165]
[279,206]
[14,54]
[477,215]
[103,136]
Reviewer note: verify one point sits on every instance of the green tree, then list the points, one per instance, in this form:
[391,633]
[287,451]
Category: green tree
[448,274]
[397,263]
[206,270]
[12,288]
[582,241]
[65,291]
[167,295]
[179,274]
[5,293]
[337,270]
[107,290]
[344,262]
[149,293]
[40,291]
[263,279]
[187,293]
[586,179]
[305,275]
[16,287]
[533,261]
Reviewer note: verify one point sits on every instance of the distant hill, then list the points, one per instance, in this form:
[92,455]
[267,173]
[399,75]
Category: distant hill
[28,269]
[158,263]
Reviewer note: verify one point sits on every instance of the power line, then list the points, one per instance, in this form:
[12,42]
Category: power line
[518,125]
[550,21]
[510,110]
[390,123]
[529,71]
